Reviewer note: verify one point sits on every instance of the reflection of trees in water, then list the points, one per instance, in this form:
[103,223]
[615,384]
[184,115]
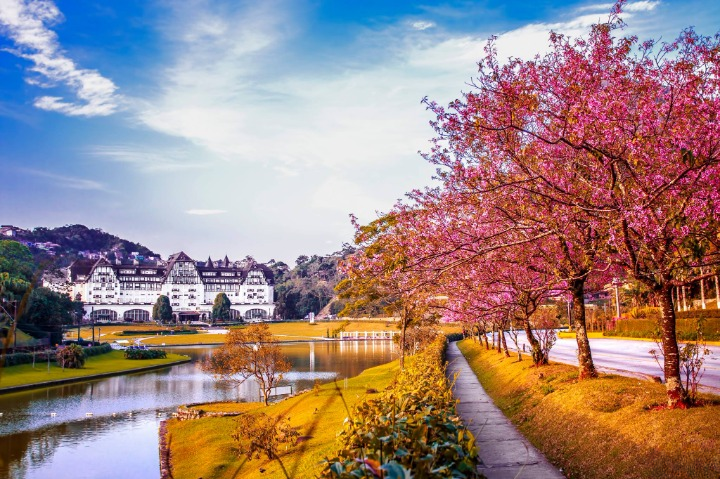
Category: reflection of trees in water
[23,450]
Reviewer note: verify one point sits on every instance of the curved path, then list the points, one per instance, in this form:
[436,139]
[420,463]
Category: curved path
[504,452]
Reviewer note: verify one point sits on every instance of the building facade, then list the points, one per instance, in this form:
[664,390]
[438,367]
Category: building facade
[117,292]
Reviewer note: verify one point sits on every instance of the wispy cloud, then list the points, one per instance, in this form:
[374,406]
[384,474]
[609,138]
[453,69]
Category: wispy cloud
[67,181]
[422,25]
[147,159]
[204,212]
[27,23]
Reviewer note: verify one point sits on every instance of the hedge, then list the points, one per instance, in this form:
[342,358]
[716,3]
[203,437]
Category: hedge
[16,359]
[411,430]
[686,327]
[161,332]
[452,337]
[145,354]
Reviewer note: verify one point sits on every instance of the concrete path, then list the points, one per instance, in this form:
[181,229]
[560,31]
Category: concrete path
[503,451]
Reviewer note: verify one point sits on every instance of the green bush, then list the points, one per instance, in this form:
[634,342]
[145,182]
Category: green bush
[452,337]
[145,354]
[27,358]
[694,314]
[155,332]
[686,327]
[97,350]
[411,430]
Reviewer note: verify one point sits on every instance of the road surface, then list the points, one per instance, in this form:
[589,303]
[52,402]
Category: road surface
[628,357]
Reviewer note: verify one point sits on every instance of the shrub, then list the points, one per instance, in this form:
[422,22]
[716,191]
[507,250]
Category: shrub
[411,429]
[97,350]
[71,357]
[161,332]
[686,327]
[132,353]
[452,337]
[27,358]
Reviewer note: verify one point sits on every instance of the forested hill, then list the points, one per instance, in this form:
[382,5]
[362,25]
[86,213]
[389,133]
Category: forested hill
[73,241]
[309,286]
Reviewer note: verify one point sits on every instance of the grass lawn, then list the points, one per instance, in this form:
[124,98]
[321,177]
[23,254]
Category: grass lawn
[112,362]
[204,447]
[290,331]
[604,427]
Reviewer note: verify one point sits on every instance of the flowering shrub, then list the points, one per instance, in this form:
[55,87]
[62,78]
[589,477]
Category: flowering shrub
[411,430]
[71,356]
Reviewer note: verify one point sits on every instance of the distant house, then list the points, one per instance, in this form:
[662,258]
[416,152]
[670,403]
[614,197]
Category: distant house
[11,231]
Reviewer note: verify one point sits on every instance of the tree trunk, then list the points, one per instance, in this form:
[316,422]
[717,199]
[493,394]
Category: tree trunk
[499,341]
[717,293]
[504,342]
[673,384]
[538,357]
[487,345]
[403,320]
[702,291]
[584,354]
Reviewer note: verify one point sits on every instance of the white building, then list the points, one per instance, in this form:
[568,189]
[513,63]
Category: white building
[128,292]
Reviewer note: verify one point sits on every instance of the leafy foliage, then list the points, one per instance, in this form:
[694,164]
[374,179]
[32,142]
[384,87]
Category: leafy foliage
[221,307]
[412,430]
[47,312]
[71,356]
[309,286]
[135,353]
[250,352]
[16,269]
[162,311]
[75,238]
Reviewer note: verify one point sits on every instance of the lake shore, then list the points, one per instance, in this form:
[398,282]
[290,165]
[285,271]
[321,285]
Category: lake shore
[24,377]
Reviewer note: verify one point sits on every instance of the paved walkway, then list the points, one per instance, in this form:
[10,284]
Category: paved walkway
[503,451]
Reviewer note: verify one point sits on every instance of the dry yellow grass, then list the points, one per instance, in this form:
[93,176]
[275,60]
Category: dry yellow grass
[289,331]
[601,428]
[204,447]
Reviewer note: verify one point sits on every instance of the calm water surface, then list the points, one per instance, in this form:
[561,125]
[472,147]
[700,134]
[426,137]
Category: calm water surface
[46,433]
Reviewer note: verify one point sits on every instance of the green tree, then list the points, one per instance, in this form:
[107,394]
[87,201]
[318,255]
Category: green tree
[46,313]
[162,311]
[16,269]
[221,307]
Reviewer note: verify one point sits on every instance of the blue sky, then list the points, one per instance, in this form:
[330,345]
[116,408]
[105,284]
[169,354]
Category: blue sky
[230,127]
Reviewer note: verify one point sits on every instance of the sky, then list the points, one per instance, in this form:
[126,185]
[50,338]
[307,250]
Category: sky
[226,127]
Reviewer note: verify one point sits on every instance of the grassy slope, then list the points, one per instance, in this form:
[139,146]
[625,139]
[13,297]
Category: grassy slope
[105,363]
[600,428]
[204,448]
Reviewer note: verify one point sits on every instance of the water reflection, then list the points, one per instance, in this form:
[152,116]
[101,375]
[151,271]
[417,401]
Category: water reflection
[120,438]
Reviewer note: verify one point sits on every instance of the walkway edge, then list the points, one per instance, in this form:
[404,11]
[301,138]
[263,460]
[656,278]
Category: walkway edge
[503,450]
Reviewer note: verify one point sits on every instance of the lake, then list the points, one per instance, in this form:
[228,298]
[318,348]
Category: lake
[49,433]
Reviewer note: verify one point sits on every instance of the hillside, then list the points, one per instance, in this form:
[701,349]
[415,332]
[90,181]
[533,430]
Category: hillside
[70,242]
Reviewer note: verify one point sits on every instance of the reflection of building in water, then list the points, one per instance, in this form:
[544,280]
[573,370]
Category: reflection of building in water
[117,292]
[312,356]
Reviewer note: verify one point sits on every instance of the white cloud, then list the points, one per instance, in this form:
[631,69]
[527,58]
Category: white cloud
[422,25]
[67,181]
[638,6]
[26,23]
[147,159]
[204,212]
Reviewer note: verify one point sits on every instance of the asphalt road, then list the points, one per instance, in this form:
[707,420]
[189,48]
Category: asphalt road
[628,357]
